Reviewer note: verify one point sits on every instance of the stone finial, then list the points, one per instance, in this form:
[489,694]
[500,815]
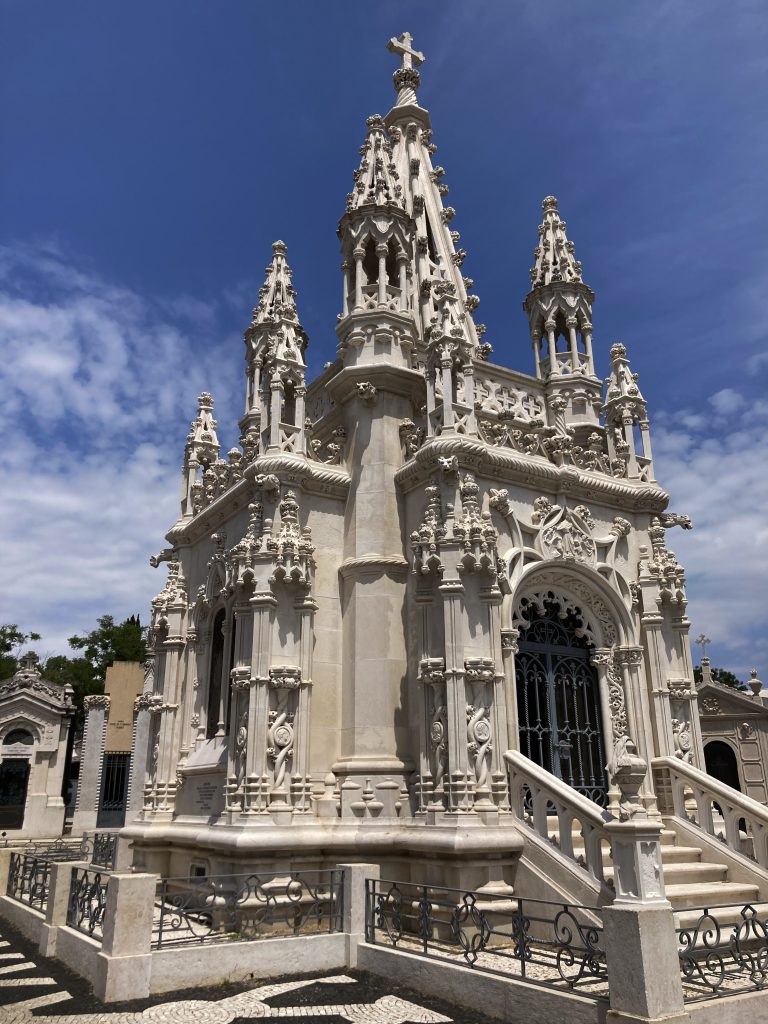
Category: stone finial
[754,684]
[377,181]
[30,662]
[627,770]
[554,259]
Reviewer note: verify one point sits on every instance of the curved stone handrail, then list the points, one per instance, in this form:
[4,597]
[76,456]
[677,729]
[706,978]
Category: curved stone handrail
[548,795]
[672,777]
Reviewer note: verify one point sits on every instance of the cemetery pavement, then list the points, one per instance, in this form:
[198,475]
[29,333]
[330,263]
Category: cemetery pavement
[36,990]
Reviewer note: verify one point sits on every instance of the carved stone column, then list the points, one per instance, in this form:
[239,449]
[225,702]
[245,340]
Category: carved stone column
[433,761]
[629,665]
[262,604]
[91,763]
[457,784]
[509,648]
[613,710]
[142,720]
[238,733]
[301,782]
[284,685]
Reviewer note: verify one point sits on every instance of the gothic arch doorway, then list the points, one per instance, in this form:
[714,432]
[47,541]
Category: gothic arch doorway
[721,764]
[558,700]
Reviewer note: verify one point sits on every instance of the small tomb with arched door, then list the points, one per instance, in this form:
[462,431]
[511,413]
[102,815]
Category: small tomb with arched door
[734,730]
[35,719]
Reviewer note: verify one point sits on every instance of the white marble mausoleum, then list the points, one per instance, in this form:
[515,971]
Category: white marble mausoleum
[427,612]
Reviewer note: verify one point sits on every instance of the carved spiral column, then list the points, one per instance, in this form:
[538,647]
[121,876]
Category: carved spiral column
[629,663]
[613,711]
[479,675]
[434,752]
[238,743]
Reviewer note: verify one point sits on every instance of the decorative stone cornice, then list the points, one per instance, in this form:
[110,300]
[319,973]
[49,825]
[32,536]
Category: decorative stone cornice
[312,477]
[96,700]
[285,677]
[370,565]
[508,466]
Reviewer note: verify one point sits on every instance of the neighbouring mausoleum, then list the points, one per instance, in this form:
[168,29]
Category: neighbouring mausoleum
[35,720]
[427,613]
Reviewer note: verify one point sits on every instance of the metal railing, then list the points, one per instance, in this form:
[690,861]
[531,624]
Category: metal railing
[87,901]
[29,880]
[553,944]
[226,908]
[725,951]
[104,849]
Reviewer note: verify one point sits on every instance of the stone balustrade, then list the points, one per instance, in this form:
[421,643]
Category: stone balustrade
[717,809]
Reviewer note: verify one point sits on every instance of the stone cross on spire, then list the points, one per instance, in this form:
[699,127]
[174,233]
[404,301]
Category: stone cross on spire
[404,48]
[406,78]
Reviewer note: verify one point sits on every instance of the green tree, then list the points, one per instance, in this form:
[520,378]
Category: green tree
[81,676]
[722,676]
[110,642]
[12,639]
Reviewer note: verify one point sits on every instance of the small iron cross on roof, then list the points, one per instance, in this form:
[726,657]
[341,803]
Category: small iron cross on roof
[30,661]
[704,642]
[403,46]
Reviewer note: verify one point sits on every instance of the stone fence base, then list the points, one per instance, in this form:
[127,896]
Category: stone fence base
[120,963]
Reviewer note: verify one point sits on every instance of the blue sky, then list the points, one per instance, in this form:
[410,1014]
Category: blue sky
[152,153]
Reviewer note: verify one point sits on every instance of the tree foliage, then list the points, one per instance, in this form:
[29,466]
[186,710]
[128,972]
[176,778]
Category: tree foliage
[110,642]
[722,676]
[12,639]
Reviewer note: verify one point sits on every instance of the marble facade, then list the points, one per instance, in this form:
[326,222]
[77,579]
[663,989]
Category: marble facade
[366,598]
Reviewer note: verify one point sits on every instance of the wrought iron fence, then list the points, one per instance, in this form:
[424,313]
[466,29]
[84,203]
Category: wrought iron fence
[87,901]
[724,951]
[225,908]
[29,880]
[104,849]
[552,944]
[58,849]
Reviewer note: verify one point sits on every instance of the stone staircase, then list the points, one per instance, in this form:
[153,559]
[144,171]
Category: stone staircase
[714,842]
[690,880]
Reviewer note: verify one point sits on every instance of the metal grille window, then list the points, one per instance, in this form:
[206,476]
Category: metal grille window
[558,701]
[113,790]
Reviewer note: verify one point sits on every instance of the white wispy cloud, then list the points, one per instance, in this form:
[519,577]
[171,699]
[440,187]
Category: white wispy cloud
[99,386]
[713,463]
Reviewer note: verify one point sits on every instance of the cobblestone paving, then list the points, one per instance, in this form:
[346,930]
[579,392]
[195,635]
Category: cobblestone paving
[35,990]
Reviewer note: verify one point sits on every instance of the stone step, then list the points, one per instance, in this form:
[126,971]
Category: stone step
[681,855]
[702,894]
[687,874]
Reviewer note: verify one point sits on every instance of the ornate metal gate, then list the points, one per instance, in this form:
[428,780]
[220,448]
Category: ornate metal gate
[558,703]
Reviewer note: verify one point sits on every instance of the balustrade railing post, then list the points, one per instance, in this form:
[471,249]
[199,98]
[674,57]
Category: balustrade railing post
[125,961]
[354,899]
[639,930]
[58,903]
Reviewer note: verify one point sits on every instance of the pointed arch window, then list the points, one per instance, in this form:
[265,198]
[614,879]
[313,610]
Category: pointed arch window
[558,701]
[215,675]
